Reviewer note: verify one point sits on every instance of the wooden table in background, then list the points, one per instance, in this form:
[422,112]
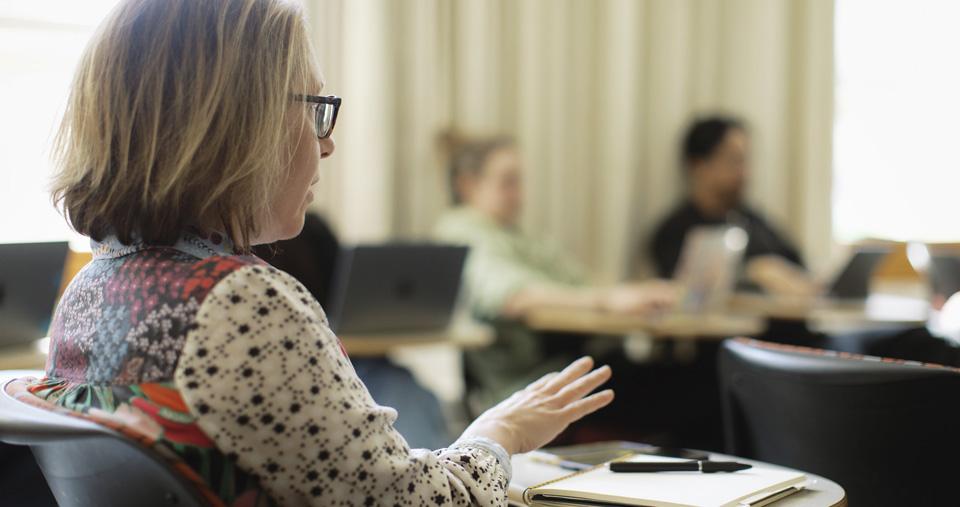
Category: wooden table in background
[30,356]
[464,336]
[745,315]
[879,310]
[679,326]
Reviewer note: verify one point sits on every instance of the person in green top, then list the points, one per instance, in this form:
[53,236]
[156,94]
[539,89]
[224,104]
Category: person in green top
[509,273]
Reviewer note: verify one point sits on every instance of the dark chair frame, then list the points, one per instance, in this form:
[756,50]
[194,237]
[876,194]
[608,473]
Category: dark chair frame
[884,429]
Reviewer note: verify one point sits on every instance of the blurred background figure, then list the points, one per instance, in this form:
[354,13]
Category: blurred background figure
[715,159]
[509,272]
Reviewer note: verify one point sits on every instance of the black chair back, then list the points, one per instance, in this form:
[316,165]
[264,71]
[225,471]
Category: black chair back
[885,430]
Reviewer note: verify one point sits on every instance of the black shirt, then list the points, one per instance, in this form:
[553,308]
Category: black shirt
[667,242]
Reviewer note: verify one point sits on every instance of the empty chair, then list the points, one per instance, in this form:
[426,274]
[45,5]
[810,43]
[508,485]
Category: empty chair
[86,464]
[885,430]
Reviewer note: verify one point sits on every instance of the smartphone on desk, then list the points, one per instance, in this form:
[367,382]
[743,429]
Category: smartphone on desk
[583,456]
[677,452]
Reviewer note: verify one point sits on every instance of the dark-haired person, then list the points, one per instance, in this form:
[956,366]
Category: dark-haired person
[716,163]
[509,272]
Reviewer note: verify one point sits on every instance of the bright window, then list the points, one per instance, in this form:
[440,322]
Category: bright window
[897,130]
[40,45]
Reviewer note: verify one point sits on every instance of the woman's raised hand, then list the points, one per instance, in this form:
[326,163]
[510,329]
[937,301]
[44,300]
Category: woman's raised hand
[534,416]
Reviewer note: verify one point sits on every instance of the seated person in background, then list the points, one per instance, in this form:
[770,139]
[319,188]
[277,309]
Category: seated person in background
[509,273]
[715,161]
[311,259]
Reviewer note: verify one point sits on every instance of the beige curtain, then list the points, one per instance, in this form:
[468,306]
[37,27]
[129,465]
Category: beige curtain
[597,93]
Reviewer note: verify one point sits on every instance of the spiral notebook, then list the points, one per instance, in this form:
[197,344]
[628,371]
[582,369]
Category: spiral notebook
[598,486]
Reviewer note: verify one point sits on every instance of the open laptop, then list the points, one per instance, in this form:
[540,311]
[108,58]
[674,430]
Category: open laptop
[395,287]
[945,274]
[709,266]
[30,276]
[853,281]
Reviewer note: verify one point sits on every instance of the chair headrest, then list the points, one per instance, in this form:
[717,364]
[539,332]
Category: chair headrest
[829,365]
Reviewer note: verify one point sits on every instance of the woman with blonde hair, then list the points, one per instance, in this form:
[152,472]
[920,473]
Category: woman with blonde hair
[193,131]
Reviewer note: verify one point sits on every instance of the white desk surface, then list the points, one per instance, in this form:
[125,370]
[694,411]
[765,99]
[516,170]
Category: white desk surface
[819,492]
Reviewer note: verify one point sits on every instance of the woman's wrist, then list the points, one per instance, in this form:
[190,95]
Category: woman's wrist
[496,431]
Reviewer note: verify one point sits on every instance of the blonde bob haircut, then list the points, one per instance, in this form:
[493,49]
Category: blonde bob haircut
[180,115]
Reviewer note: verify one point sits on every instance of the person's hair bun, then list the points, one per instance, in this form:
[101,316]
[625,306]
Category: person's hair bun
[466,155]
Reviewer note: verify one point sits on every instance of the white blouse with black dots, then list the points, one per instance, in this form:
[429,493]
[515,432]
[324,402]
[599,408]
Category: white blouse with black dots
[271,385]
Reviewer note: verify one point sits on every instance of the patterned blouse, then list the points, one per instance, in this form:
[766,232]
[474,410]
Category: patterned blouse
[227,367]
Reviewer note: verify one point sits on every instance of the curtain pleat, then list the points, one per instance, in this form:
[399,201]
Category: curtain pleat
[597,93]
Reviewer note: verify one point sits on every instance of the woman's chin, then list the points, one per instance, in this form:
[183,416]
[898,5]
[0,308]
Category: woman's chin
[294,227]
[289,229]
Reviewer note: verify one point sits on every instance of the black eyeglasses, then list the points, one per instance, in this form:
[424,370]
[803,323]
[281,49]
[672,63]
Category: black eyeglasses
[325,111]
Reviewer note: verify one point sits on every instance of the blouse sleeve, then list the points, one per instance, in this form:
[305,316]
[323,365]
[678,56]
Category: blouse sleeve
[272,386]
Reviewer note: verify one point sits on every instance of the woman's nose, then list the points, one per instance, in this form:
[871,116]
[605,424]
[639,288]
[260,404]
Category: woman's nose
[326,147]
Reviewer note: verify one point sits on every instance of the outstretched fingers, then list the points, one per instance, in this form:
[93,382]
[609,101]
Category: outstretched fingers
[588,405]
[583,385]
[569,374]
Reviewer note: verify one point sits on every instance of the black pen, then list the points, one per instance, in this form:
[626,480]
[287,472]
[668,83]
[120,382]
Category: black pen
[706,467]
